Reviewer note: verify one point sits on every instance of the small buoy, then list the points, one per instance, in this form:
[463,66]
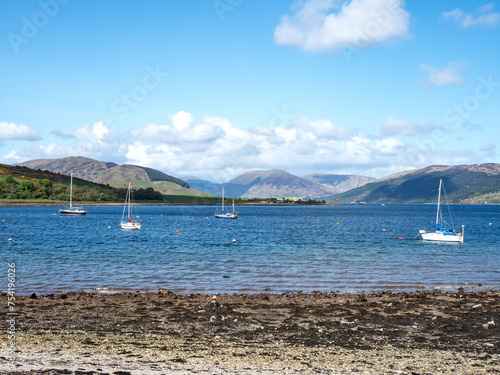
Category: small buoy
[178,231]
[234,240]
[401,239]
[383,230]
[337,223]
[317,220]
[161,215]
[225,226]
[10,239]
[109,226]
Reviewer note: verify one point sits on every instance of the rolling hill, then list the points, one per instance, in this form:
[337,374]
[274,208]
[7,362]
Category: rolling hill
[337,184]
[114,175]
[273,183]
[477,183]
[280,184]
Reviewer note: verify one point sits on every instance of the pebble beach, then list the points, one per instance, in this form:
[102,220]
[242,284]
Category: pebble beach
[383,332]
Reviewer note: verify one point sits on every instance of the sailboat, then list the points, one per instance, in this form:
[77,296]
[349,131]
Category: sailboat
[130,224]
[444,231]
[226,215]
[72,211]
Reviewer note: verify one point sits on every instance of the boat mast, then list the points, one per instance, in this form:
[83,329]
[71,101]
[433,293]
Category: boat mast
[439,202]
[71,192]
[129,200]
[222,199]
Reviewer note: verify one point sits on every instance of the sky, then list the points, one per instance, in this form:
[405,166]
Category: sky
[216,88]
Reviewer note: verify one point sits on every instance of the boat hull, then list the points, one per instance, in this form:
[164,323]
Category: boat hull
[442,237]
[226,216]
[130,226]
[73,212]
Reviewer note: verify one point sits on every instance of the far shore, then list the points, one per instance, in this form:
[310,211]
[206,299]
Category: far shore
[111,204]
[104,204]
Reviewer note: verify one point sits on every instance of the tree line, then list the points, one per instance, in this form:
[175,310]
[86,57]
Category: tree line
[45,189]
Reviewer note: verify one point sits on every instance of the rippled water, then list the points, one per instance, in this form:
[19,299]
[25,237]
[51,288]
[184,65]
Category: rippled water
[277,249]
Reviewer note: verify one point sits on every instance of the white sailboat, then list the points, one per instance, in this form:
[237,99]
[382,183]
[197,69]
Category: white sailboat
[130,224]
[72,211]
[223,214]
[444,231]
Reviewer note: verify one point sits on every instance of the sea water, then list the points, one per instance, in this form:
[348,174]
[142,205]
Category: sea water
[272,249]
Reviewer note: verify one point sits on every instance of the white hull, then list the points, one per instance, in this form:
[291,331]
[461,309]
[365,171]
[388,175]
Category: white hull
[130,226]
[227,215]
[443,237]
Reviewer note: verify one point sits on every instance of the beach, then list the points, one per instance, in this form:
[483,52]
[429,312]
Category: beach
[383,332]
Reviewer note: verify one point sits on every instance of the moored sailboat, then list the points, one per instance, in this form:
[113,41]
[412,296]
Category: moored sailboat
[443,232]
[130,224]
[223,214]
[72,211]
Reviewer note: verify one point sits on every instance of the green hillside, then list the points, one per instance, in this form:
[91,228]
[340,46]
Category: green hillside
[115,175]
[19,183]
[464,184]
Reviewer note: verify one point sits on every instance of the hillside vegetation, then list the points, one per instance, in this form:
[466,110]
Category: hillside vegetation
[113,174]
[21,183]
[477,184]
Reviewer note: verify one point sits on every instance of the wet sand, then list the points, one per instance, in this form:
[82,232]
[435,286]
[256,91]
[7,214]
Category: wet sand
[314,333]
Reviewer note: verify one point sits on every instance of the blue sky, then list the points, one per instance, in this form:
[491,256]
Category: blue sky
[216,88]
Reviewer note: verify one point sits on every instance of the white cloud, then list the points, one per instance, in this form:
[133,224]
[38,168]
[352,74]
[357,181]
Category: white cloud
[393,127]
[21,132]
[181,120]
[214,149]
[62,134]
[448,76]
[329,25]
[97,133]
[323,128]
[484,16]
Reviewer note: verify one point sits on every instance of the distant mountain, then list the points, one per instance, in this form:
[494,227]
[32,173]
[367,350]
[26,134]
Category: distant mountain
[203,185]
[114,174]
[475,183]
[336,184]
[273,183]
[280,184]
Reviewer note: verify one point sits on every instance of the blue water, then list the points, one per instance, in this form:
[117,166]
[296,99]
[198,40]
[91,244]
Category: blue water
[277,249]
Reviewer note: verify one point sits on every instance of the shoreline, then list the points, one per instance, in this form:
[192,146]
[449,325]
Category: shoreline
[381,332]
[97,204]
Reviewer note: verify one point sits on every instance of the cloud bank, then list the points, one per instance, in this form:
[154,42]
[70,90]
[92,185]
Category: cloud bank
[330,25]
[213,148]
[483,16]
[438,77]
[19,132]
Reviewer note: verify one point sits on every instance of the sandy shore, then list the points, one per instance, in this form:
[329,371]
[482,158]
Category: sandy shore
[316,333]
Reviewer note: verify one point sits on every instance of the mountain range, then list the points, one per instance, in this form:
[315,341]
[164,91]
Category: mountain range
[478,183]
[281,184]
[115,175]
